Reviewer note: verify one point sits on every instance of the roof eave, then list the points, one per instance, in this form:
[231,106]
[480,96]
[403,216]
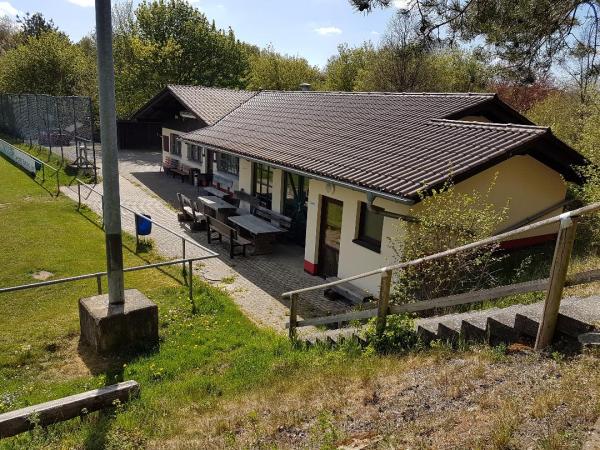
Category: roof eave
[343,183]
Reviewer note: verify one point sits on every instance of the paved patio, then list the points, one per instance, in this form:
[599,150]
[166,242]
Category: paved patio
[255,282]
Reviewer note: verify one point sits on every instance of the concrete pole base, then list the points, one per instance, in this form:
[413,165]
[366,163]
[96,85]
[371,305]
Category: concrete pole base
[131,326]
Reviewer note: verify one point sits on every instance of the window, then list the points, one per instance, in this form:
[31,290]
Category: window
[165,143]
[194,152]
[370,229]
[263,184]
[175,144]
[228,164]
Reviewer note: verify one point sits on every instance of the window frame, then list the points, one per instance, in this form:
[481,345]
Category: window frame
[231,165]
[191,148]
[176,144]
[266,173]
[361,238]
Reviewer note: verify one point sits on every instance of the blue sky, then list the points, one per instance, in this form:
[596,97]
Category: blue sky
[309,28]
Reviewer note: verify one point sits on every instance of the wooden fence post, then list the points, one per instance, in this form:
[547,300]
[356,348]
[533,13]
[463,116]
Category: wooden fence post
[293,315]
[383,305]
[558,275]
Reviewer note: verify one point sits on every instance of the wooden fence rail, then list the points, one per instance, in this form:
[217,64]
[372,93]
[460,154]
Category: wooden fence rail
[44,414]
[554,284]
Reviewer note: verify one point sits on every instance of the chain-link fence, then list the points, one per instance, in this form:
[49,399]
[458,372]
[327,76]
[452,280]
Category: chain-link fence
[64,125]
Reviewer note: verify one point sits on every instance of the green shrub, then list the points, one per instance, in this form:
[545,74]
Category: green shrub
[399,335]
[447,218]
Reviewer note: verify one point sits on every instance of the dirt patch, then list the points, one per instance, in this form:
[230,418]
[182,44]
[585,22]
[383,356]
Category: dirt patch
[42,275]
[479,400]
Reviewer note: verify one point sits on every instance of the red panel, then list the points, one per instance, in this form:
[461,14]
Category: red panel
[310,267]
[528,241]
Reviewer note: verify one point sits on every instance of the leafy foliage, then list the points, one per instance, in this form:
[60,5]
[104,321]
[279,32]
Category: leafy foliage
[403,62]
[271,70]
[447,218]
[526,44]
[398,336]
[162,42]
[48,64]
[35,25]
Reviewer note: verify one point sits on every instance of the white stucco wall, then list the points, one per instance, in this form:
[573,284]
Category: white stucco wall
[354,258]
[529,185]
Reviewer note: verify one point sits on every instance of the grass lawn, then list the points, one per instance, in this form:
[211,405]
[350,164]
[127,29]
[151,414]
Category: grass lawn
[219,381]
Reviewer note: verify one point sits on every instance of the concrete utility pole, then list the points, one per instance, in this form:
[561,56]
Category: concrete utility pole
[110,160]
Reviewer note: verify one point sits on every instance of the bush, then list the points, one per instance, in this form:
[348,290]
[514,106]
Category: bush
[447,219]
[399,335]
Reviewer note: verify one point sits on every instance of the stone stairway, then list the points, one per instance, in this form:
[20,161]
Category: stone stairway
[517,323]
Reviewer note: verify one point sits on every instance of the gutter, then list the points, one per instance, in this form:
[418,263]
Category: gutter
[372,192]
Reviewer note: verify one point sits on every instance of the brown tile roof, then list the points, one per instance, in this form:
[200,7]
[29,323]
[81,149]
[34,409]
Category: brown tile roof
[210,104]
[390,142]
[207,103]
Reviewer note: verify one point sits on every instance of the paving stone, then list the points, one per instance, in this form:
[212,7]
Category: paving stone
[257,281]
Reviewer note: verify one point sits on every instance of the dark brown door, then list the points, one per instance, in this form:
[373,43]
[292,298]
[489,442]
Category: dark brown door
[165,143]
[330,235]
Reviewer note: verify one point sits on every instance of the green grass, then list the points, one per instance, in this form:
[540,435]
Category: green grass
[208,379]
[203,358]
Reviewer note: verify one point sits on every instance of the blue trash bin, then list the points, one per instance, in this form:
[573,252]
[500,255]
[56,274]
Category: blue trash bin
[143,226]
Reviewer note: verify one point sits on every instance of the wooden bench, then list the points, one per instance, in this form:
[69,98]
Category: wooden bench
[181,170]
[279,220]
[190,213]
[235,241]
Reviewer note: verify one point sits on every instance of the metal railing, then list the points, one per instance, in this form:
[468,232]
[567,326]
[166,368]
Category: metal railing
[98,276]
[184,239]
[555,283]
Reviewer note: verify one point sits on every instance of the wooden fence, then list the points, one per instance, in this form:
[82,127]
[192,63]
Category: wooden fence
[554,284]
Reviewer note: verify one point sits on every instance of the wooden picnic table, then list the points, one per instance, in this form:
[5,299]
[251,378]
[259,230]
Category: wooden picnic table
[213,191]
[263,233]
[220,208]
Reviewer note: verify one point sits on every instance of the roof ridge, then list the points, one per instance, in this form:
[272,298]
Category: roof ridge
[383,93]
[200,86]
[476,124]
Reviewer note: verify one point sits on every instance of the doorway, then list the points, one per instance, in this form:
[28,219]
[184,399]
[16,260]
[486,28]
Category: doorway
[329,238]
[295,205]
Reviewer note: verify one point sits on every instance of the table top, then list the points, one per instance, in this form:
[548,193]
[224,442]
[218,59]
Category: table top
[216,192]
[215,203]
[254,225]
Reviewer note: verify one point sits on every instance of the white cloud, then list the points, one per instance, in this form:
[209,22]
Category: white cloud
[375,33]
[83,3]
[6,9]
[401,4]
[324,31]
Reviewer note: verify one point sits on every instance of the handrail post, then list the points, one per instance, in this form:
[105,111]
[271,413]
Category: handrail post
[78,195]
[558,275]
[383,305]
[183,256]
[293,315]
[99,283]
[57,182]
[191,287]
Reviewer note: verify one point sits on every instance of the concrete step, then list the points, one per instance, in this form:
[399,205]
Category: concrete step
[501,325]
[495,325]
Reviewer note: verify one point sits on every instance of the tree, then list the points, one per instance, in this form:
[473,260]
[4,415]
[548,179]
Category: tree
[529,35]
[48,64]
[342,70]
[35,25]
[404,62]
[162,42]
[8,33]
[270,70]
